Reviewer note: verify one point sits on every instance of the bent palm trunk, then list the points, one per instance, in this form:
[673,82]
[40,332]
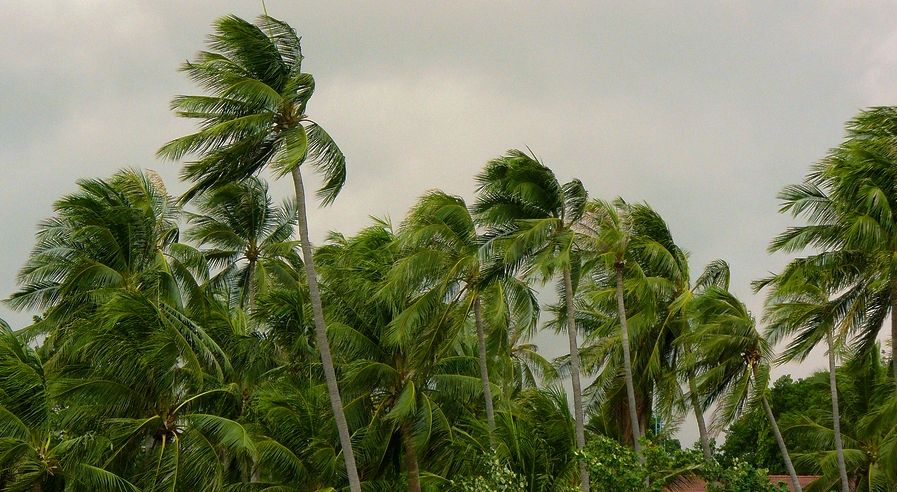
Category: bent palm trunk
[781,442]
[321,336]
[894,325]
[836,415]
[627,365]
[574,376]
[699,416]
[484,370]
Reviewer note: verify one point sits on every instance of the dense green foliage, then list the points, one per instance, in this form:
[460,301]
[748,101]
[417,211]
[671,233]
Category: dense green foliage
[201,342]
[749,438]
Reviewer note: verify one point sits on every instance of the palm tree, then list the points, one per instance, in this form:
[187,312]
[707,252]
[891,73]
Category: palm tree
[537,432]
[35,453]
[869,433]
[529,217]
[735,363]
[111,234]
[443,260]
[681,314]
[405,369]
[850,202]
[800,305]
[610,234]
[246,238]
[254,117]
[444,256]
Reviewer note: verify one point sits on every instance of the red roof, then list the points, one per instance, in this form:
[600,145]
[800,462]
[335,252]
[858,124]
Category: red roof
[697,485]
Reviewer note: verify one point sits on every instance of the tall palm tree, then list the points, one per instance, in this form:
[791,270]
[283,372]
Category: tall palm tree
[735,363]
[800,304]
[254,117]
[681,314]
[529,216]
[850,202]
[609,233]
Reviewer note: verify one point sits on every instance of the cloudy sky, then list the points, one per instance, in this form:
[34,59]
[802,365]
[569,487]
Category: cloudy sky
[703,109]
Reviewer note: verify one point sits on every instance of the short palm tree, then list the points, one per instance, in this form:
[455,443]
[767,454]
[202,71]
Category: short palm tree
[254,117]
[869,433]
[444,257]
[734,363]
[529,217]
[405,370]
[246,238]
[35,452]
[110,234]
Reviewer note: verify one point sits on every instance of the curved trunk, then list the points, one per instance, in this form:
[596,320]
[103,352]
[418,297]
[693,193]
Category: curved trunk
[484,369]
[627,364]
[894,325]
[699,416]
[781,442]
[578,415]
[836,414]
[411,466]
[321,336]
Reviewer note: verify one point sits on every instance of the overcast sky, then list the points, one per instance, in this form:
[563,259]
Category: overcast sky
[703,109]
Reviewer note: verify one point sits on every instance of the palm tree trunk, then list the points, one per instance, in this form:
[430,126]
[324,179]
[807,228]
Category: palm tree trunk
[699,416]
[484,369]
[836,414]
[894,325]
[627,364]
[246,293]
[781,442]
[579,417]
[411,465]
[321,336]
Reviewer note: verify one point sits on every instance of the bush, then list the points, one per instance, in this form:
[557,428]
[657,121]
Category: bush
[497,477]
[739,476]
[615,468]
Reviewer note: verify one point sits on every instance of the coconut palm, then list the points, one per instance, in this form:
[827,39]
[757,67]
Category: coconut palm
[443,260]
[142,372]
[110,235]
[406,371]
[111,241]
[680,315]
[254,117]
[537,433]
[246,238]
[734,363]
[35,453]
[529,216]
[444,257]
[800,304]
[869,431]
[849,200]
[609,235]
